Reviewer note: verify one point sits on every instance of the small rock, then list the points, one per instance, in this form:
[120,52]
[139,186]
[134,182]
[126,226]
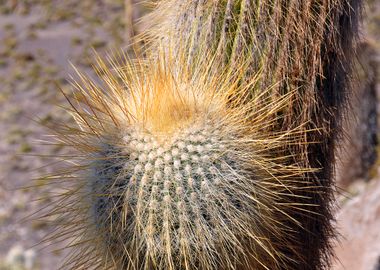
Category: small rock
[15,256]
[19,258]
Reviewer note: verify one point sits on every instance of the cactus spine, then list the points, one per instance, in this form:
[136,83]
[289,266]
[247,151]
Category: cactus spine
[216,150]
[303,45]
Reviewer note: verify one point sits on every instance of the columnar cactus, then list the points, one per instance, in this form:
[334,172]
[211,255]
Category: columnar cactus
[298,45]
[215,151]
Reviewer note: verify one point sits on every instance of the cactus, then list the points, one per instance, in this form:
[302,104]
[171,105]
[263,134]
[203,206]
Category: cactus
[303,45]
[216,150]
[178,172]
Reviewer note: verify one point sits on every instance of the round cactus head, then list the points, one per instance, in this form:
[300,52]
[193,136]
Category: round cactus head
[178,170]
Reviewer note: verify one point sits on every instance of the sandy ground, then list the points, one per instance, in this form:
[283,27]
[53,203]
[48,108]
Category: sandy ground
[38,39]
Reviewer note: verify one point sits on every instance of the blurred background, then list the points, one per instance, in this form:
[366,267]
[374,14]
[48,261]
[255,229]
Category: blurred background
[39,39]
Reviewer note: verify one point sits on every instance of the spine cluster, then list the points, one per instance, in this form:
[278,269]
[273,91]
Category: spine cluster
[172,193]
